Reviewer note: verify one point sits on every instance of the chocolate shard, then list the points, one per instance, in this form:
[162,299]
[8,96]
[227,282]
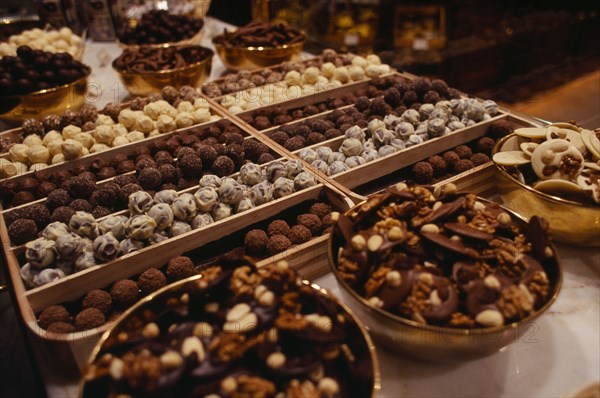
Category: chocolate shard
[445,210]
[449,244]
[537,234]
[468,231]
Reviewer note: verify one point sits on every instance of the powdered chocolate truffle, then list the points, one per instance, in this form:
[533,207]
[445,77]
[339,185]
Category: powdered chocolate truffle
[89,318]
[299,234]
[54,313]
[124,292]
[179,268]
[223,166]
[150,178]
[278,227]
[279,137]
[22,231]
[255,242]
[463,165]
[294,143]
[320,209]
[39,214]
[277,244]
[151,280]
[98,299]
[463,152]
[422,172]
[310,221]
[485,145]
[62,214]
[451,158]
[61,327]
[479,159]
[438,164]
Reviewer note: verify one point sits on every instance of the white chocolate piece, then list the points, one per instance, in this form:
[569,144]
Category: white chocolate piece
[71,149]
[591,140]
[531,132]
[511,158]
[548,160]
[574,137]
[528,147]
[558,187]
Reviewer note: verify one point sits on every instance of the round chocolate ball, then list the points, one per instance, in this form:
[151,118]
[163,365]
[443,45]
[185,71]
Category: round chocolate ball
[422,172]
[299,234]
[143,163]
[98,299]
[438,164]
[500,128]
[320,209]
[61,327]
[486,145]
[21,198]
[265,158]
[128,190]
[294,144]
[125,166]
[279,137]
[22,231]
[451,158]
[123,180]
[89,318]
[38,213]
[440,86]
[13,215]
[310,221]
[190,165]
[81,205]
[51,122]
[151,280]
[45,188]
[168,173]
[124,293]
[207,154]
[431,97]
[479,159]
[278,227]
[62,214]
[253,149]
[277,244]
[54,313]
[255,242]
[150,178]
[179,268]
[463,165]
[81,187]
[183,151]
[32,126]
[223,166]
[463,152]
[106,173]
[101,211]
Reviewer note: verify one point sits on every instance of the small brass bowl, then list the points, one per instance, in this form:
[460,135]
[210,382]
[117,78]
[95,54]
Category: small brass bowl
[152,82]
[437,343]
[146,310]
[570,222]
[52,101]
[239,58]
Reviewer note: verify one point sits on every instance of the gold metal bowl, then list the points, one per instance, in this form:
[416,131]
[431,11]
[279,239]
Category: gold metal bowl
[436,343]
[570,222]
[152,82]
[238,58]
[55,100]
[146,310]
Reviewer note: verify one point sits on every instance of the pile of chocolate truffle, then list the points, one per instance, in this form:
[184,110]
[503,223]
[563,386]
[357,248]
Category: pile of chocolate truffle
[160,26]
[51,41]
[260,34]
[148,59]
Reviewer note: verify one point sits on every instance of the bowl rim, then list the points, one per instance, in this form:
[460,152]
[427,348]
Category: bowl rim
[166,71]
[376,385]
[260,48]
[443,329]
[51,89]
[530,189]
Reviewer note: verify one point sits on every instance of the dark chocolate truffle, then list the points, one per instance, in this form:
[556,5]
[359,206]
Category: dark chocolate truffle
[463,152]
[440,86]
[33,126]
[101,211]
[328,221]
[422,172]
[81,205]
[38,213]
[279,137]
[310,221]
[143,163]
[362,104]
[150,178]
[265,158]
[183,151]
[500,128]
[81,187]
[124,292]
[320,209]
[190,165]
[89,318]
[277,244]
[125,166]
[125,179]
[299,234]
[45,188]
[479,159]
[294,143]
[13,215]
[179,268]
[451,158]
[98,299]
[21,198]
[463,165]
[223,166]
[168,173]
[431,97]
[151,280]
[54,313]
[62,214]
[278,227]
[22,231]
[255,242]
[253,149]
[106,173]
[207,154]
[128,190]
[438,164]
[422,85]
[60,327]
[486,145]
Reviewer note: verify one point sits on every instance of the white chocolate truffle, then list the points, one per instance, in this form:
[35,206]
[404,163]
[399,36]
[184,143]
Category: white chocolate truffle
[261,193]
[201,115]
[336,168]
[355,132]
[310,75]
[58,158]
[84,224]
[210,180]
[230,191]
[38,154]
[19,153]
[28,273]
[85,260]
[323,152]
[69,246]
[140,227]
[165,123]
[179,228]
[308,155]
[320,165]
[55,229]
[374,125]
[104,134]
[104,120]
[404,130]
[293,168]
[32,139]
[356,73]
[48,275]
[162,214]
[293,78]
[129,245]
[369,155]
[276,170]
[328,69]
[201,220]
[185,106]
[282,187]
[70,131]
[127,118]
[354,161]
[71,149]
[250,174]
[133,136]
[99,148]
[140,202]
[244,205]
[105,247]
[40,252]
[119,141]
[221,211]
[184,119]
[386,150]
[184,207]
[119,130]
[336,157]
[86,139]
[165,196]
[114,225]
[351,147]
[411,116]
[304,180]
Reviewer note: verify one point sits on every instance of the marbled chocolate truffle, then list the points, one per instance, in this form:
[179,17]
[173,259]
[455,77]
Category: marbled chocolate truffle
[179,228]
[151,280]
[304,180]
[255,242]
[140,202]
[282,187]
[250,174]
[261,193]
[106,247]
[277,244]
[422,172]
[98,299]
[140,227]
[179,268]
[162,214]
[221,211]
[184,207]
[299,234]
[83,224]
[223,166]
[54,313]
[57,198]
[22,231]
[230,191]
[114,224]
[310,221]
[278,227]
[69,246]
[54,230]
[320,209]
[129,245]
[124,292]
[40,252]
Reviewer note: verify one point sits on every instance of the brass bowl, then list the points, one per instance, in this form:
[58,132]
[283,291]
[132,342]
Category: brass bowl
[239,58]
[570,222]
[52,101]
[437,343]
[152,82]
[192,41]
[161,299]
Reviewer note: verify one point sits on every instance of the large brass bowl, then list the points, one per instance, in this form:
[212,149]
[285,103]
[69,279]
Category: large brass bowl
[570,222]
[239,58]
[436,343]
[56,100]
[153,82]
[158,301]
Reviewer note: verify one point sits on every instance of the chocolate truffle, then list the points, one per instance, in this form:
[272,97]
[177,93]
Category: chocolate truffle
[451,158]
[253,149]
[143,163]
[265,158]
[39,213]
[45,188]
[463,152]
[179,268]
[440,86]
[105,173]
[60,327]
[294,143]
[51,122]
[151,280]
[320,209]
[422,172]
[62,214]
[33,126]
[310,221]
[299,234]
[128,190]
[277,244]
[81,187]
[279,137]
[150,178]
[479,159]
[89,318]
[207,155]
[438,164]
[21,198]
[184,151]
[106,247]
[124,292]
[190,165]
[125,166]
[486,145]
[500,128]
[98,299]
[278,227]
[83,224]
[122,180]
[22,231]
[101,211]
[255,242]
[463,165]
[223,166]
[54,313]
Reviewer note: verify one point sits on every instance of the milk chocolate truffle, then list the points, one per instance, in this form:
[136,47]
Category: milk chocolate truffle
[277,244]
[479,159]
[125,166]
[299,234]
[320,209]
[98,299]
[60,327]
[179,268]
[438,164]
[106,247]
[39,213]
[83,224]
[22,231]
[54,313]
[463,165]
[89,318]
[422,172]
[486,145]
[310,221]
[221,211]
[151,280]
[451,158]
[278,227]
[62,214]
[223,166]
[463,152]
[124,292]
[255,242]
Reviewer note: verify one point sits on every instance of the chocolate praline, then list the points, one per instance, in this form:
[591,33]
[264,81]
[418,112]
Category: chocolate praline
[255,242]
[89,318]
[277,244]
[278,227]
[463,165]
[235,152]
[62,214]
[54,313]
[190,165]
[179,268]
[13,215]
[320,209]
[29,184]
[310,221]
[223,166]
[150,178]
[422,172]
[500,128]
[151,280]
[98,299]
[299,234]
[38,213]
[207,155]
[22,231]
[124,292]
